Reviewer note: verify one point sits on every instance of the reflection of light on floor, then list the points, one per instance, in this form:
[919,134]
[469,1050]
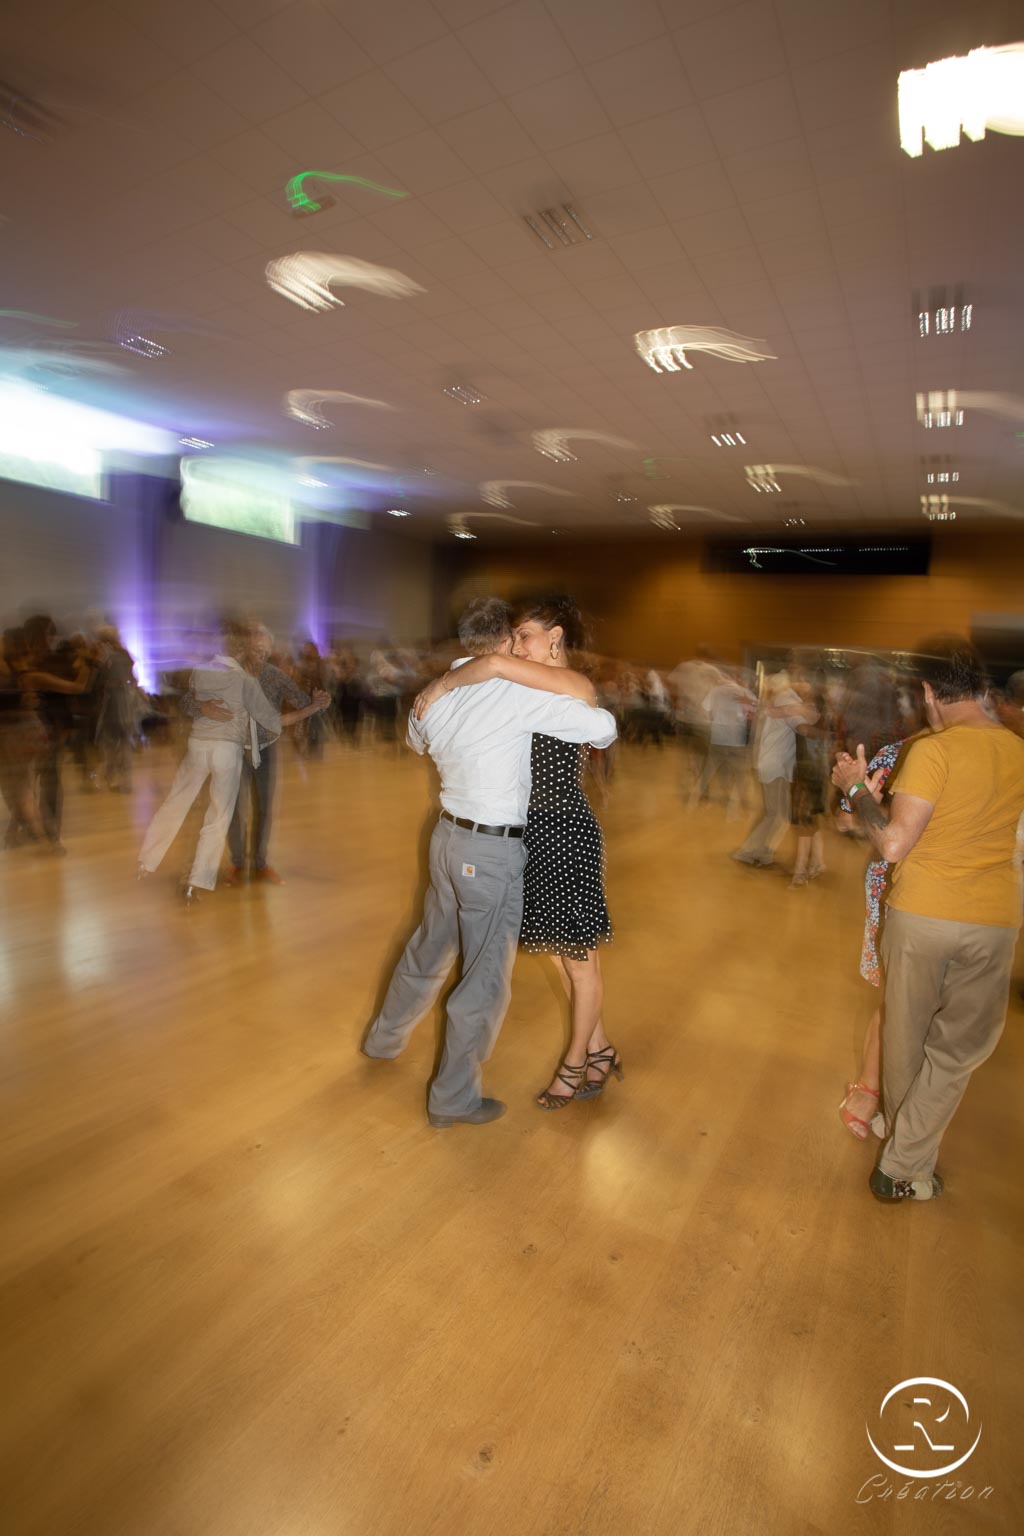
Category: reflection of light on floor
[610,1161]
[84,952]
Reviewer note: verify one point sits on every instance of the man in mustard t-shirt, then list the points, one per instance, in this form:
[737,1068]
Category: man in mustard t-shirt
[953,910]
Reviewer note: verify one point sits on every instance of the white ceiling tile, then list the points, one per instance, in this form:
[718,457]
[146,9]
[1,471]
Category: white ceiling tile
[246,13]
[560,111]
[449,258]
[796,216]
[373,110]
[502,243]
[190,110]
[860,83]
[771,170]
[410,224]
[308,42]
[313,138]
[737,48]
[518,46]
[459,13]
[697,190]
[816,32]
[509,313]
[441,80]
[647,248]
[623,211]
[713,232]
[465,206]
[269,224]
[554,306]
[791,258]
[596,30]
[757,114]
[739,265]
[677,280]
[255,161]
[534,275]
[640,82]
[597,165]
[249,79]
[669,142]
[854,147]
[613,293]
[483,289]
[489,138]
[184,29]
[424,162]
[387,31]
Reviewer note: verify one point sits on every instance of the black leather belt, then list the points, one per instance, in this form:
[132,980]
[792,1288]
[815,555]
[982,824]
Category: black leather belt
[478,826]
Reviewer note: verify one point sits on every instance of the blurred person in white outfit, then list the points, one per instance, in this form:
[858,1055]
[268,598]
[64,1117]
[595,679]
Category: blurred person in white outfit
[729,707]
[232,705]
[781,716]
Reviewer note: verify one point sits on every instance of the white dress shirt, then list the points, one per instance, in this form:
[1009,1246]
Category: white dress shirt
[480,739]
[223,678]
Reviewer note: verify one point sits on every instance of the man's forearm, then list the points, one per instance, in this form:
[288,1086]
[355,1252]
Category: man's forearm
[871,816]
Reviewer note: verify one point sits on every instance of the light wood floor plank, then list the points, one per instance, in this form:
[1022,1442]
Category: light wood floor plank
[248,1292]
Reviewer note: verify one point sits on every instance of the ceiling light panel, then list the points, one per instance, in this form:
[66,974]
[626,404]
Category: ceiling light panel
[665,349]
[557,226]
[964,94]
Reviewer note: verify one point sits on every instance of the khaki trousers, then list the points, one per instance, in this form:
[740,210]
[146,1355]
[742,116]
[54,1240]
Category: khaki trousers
[946,988]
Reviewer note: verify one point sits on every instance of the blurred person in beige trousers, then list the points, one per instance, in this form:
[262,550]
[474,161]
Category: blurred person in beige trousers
[232,707]
[953,910]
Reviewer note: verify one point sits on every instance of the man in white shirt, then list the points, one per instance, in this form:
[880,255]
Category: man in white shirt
[232,704]
[480,739]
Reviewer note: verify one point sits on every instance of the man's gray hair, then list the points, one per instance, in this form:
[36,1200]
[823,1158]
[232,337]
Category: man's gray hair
[485,624]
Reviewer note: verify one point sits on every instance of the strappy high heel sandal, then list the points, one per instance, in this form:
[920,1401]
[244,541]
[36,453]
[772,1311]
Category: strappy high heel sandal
[572,1077]
[606,1062]
[854,1124]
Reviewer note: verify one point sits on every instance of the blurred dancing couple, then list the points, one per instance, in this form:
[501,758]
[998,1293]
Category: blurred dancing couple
[516,856]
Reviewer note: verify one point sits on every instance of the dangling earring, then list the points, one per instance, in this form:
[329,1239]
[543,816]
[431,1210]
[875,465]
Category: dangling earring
[553,650]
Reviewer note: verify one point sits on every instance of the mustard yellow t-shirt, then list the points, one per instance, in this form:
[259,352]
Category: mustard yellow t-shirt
[961,868]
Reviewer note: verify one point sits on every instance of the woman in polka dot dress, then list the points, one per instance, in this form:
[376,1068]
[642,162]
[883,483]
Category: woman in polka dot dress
[564,910]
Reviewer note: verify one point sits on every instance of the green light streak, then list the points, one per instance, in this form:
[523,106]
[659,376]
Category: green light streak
[27,314]
[300,198]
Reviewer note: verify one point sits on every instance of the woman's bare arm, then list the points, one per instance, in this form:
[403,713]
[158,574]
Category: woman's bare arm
[531,674]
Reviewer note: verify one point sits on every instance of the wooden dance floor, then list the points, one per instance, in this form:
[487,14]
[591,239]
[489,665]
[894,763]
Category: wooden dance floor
[247,1291]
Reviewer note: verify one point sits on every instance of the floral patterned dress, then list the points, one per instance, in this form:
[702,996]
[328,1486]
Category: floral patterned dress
[875,876]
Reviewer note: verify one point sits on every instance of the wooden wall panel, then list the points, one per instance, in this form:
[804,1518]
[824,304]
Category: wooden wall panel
[652,602]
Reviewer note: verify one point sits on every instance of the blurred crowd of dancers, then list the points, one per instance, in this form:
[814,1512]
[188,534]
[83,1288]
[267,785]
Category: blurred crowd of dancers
[71,703]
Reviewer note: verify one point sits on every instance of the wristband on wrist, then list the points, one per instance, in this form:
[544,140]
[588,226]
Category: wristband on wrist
[852,791]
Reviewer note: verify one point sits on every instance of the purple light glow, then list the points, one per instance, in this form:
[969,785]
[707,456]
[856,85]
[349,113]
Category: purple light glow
[136,635]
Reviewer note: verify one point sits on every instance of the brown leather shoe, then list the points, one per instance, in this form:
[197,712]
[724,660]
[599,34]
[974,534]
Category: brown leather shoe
[235,875]
[268,874]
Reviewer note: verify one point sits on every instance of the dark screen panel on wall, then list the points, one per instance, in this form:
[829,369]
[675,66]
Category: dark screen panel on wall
[885,556]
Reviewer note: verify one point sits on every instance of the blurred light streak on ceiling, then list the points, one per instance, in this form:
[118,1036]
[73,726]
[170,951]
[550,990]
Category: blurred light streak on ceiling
[747,180]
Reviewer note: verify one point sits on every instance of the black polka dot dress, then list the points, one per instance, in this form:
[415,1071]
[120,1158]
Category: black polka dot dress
[564,911]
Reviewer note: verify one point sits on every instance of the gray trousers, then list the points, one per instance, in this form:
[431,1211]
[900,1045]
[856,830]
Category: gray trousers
[946,988]
[256,788]
[767,835]
[474,904]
